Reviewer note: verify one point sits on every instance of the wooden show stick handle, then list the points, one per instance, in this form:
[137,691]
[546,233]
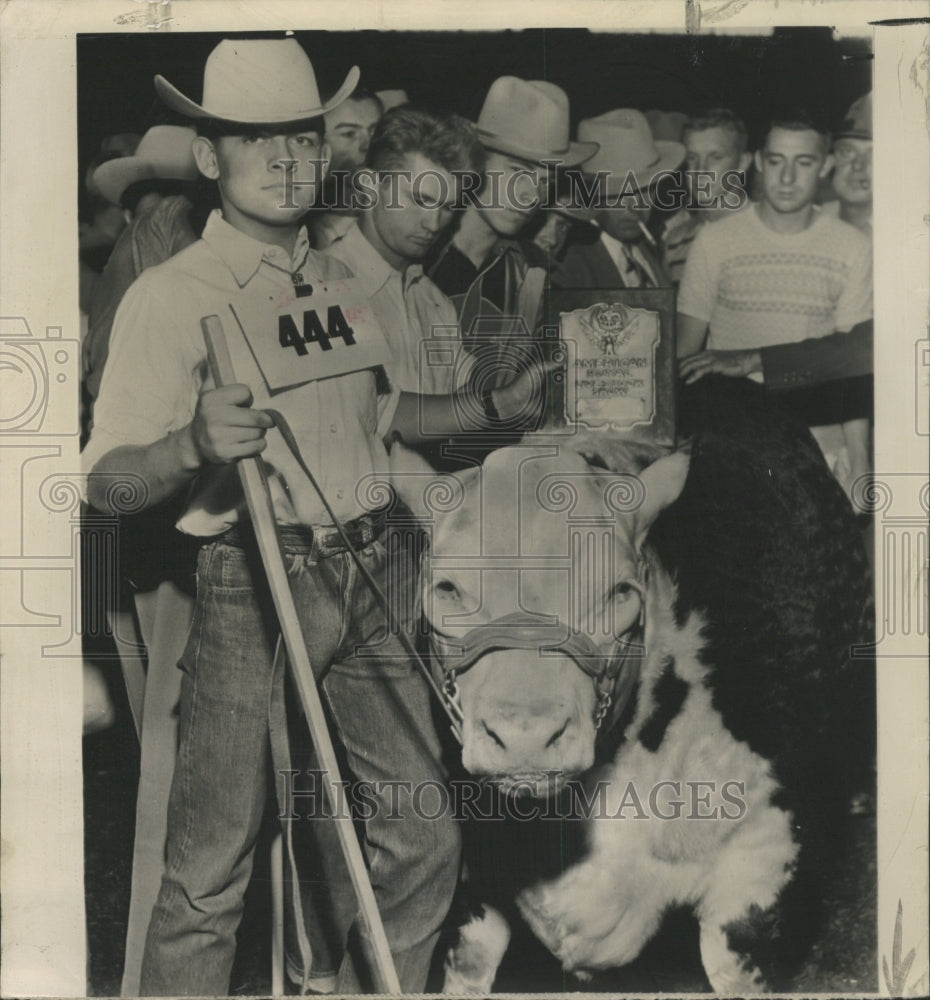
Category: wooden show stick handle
[255,485]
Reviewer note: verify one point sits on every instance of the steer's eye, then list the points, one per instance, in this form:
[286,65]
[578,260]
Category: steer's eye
[621,592]
[445,590]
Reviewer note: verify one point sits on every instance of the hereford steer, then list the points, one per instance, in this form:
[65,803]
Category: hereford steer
[559,632]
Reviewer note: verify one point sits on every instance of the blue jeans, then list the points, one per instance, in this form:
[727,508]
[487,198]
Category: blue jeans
[233,739]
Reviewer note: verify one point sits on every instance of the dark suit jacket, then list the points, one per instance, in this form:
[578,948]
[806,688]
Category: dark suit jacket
[589,265]
[819,359]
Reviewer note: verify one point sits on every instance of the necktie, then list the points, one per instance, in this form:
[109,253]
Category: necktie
[633,275]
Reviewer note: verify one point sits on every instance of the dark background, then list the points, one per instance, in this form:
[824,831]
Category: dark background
[756,76]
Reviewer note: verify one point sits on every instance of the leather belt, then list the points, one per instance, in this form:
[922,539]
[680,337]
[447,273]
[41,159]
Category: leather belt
[324,540]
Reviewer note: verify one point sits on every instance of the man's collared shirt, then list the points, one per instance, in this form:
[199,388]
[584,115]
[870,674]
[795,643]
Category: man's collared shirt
[157,369]
[411,310]
[509,283]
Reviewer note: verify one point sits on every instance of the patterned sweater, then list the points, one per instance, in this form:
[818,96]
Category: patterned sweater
[756,287]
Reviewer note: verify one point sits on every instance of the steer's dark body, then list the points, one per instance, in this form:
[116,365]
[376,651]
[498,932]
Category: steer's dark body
[762,543]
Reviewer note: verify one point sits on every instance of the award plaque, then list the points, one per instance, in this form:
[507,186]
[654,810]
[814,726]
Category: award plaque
[620,353]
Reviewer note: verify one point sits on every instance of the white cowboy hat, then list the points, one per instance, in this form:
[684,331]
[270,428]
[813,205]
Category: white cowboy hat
[257,81]
[529,119]
[666,125]
[163,152]
[565,206]
[627,147]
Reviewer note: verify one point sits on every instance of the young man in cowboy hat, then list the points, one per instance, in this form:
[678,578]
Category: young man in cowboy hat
[622,176]
[161,424]
[560,222]
[484,268]
[153,186]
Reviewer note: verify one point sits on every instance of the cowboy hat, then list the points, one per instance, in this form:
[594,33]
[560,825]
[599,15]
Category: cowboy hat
[529,119]
[858,121]
[566,206]
[164,152]
[257,81]
[666,125]
[627,147]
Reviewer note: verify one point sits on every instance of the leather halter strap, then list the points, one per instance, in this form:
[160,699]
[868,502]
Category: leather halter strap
[614,673]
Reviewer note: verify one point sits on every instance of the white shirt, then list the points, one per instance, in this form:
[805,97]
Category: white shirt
[157,369]
[418,320]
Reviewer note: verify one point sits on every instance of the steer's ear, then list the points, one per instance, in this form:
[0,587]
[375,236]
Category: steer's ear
[662,482]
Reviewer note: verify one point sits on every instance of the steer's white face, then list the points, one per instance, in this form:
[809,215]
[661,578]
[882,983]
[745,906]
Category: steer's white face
[538,531]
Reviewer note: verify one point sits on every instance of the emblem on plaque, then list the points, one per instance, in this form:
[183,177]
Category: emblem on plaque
[612,377]
[620,352]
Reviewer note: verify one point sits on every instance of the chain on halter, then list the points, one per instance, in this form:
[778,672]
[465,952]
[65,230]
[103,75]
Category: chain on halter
[614,674]
[604,702]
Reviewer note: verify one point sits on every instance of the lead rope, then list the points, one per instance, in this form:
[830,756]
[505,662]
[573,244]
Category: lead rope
[450,707]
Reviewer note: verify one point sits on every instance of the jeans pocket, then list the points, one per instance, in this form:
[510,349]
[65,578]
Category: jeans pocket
[205,560]
[229,569]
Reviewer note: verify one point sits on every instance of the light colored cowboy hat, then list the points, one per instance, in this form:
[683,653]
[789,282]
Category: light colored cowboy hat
[627,147]
[164,152]
[529,119]
[666,125]
[858,121]
[258,81]
[565,206]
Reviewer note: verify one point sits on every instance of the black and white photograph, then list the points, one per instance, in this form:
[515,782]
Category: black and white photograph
[465,499]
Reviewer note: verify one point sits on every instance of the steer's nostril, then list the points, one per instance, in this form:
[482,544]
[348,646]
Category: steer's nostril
[494,736]
[557,735]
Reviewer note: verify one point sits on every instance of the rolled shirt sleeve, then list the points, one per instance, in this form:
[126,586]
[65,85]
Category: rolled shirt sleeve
[152,376]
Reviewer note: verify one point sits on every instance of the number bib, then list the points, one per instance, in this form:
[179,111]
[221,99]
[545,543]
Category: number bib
[297,338]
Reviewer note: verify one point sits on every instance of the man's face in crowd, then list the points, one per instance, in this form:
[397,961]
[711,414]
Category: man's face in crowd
[511,193]
[414,205]
[790,164]
[264,179]
[624,218]
[553,233]
[348,132]
[852,171]
[715,150]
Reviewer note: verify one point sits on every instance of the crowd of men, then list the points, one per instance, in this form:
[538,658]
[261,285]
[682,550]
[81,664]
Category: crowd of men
[270,192]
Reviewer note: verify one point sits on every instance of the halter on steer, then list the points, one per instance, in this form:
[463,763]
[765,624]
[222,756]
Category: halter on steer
[614,673]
